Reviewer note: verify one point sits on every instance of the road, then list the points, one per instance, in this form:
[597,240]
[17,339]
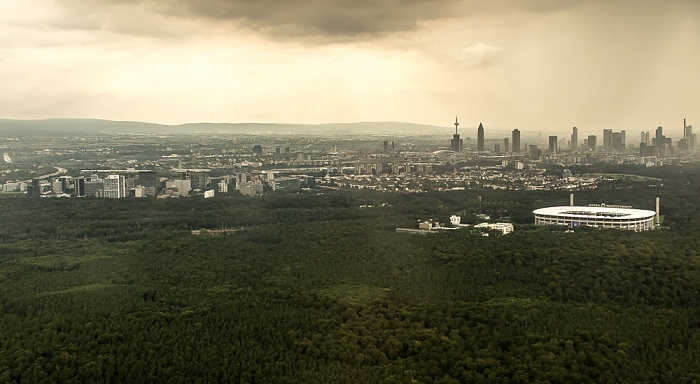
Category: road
[59,171]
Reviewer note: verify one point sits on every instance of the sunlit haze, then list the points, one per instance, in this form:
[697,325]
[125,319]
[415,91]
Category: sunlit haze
[537,65]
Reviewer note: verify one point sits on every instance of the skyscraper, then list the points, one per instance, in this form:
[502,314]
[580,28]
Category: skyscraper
[456,142]
[516,140]
[592,142]
[659,141]
[688,135]
[574,139]
[553,144]
[79,186]
[480,138]
[659,137]
[623,133]
[34,190]
[618,141]
[607,139]
[506,145]
[114,187]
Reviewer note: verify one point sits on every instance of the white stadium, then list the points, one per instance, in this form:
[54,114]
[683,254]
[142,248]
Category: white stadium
[599,216]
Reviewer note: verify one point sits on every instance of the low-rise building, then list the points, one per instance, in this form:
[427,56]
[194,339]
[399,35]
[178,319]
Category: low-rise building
[504,228]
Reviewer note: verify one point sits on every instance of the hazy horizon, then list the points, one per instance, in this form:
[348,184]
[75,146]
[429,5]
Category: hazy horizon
[542,66]
[394,128]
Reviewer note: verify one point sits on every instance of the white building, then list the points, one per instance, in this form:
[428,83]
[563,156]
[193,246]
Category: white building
[114,187]
[596,216]
[138,191]
[504,228]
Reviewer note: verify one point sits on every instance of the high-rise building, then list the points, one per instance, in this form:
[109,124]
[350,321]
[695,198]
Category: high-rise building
[386,146]
[480,138]
[692,141]
[114,187]
[506,145]
[34,190]
[607,139]
[623,134]
[516,140]
[149,180]
[95,186]
[79,186]
[642,138]
[659,141]
[574,139]
[553,144]
[659,137]
[618,141]
[592,142]
[456,142]
[199,179]
[497,148]
[688,135]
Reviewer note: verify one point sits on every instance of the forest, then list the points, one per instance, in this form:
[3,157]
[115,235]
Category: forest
[318,287]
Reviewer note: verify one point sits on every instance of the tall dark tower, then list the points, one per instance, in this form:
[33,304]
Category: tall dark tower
[552,144]
[659,141]
[574,139]
[516,140]
[480,138]
[687,130]
[456,142]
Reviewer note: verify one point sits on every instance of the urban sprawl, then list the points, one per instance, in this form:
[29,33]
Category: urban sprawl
[142,165]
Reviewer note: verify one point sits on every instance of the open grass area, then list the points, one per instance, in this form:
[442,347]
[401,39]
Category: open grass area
[355,294]
[623,176]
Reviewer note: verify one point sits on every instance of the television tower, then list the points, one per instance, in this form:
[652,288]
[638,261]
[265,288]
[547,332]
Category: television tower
[456,142]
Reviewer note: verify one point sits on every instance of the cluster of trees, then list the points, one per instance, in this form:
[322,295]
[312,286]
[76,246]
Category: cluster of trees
[314,288]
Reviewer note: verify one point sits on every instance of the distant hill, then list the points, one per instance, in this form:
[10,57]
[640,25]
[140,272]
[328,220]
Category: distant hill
[60,127]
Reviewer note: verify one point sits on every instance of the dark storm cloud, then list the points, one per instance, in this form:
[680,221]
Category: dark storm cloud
[333,19]
[339,18]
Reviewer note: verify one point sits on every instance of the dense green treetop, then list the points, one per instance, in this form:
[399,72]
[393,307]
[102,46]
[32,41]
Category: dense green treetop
[312,287]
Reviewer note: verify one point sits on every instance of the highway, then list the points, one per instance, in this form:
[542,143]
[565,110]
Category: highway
[59,171]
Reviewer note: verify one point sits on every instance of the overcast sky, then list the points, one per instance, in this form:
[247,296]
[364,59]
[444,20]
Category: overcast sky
[543,65]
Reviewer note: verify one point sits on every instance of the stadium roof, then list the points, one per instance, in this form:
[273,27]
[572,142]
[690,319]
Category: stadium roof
[596,212]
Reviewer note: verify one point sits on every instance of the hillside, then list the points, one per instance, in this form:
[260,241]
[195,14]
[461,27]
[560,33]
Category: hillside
[54,127]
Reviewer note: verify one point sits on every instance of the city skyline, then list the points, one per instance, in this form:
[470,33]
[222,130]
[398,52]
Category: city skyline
[610,138]
[537,66]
